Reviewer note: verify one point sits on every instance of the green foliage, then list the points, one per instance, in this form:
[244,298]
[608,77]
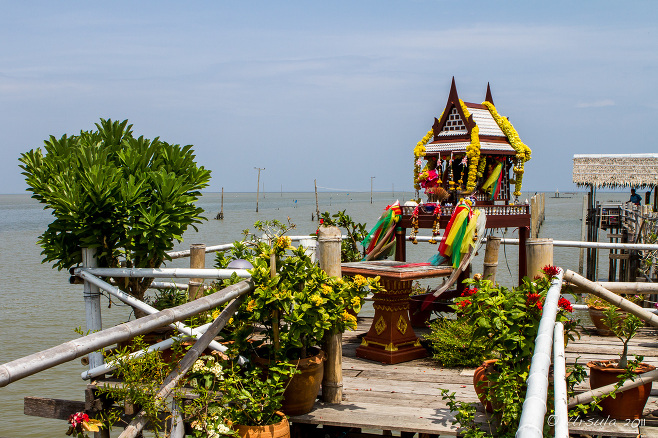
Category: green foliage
[141,377]
[625,327]
[506,321]
[454,344]
[300,303]
[229,395]
[130,198]
[168,298]
[465,415]
[356,232]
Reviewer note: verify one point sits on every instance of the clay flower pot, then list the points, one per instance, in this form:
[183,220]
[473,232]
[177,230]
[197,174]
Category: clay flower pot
[480,382]
[278,430]
[302,390]
[626,405]
[597,315]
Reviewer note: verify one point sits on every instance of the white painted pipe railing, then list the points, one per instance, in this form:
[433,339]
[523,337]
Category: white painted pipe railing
[531,423]
[561,423]
[37,362]
[134,302]
[227,246]
[215,274]
[565,243]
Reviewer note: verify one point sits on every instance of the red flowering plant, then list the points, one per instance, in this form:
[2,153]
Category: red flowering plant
[507,320]
[80,424]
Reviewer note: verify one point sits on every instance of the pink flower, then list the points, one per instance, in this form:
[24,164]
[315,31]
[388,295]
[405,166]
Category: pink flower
[78,418]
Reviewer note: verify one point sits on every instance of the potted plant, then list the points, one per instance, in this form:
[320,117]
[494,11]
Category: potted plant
[506,322]
[295,304]
[596,307]
[236,401]
[630,403]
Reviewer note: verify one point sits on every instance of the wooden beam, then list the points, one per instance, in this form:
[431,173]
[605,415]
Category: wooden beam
[55,408]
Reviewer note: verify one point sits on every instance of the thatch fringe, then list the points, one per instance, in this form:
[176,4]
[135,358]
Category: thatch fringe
[614,171]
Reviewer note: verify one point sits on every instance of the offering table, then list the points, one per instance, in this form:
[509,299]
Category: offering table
[391,339]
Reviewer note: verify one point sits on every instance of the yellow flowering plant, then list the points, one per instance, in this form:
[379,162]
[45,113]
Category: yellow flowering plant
[295,304]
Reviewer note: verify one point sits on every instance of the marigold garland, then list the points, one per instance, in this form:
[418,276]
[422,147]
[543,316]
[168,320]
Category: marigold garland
[472,152]
[522,151]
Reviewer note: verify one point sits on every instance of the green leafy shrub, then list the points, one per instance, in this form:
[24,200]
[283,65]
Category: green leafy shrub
[356,232]
[130,198]
[454,344]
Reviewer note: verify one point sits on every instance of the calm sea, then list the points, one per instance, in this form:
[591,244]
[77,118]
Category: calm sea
[40,309]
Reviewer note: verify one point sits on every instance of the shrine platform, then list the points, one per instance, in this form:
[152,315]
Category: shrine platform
[404,399]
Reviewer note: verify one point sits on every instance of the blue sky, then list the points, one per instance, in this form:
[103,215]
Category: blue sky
[335,91]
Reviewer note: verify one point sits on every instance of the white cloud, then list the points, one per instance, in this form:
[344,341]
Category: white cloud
[596,104]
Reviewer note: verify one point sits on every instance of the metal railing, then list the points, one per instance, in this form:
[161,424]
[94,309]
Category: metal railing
[531,423]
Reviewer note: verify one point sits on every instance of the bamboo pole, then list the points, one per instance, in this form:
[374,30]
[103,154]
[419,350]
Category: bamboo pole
[635,288]
[215,274]
[539,254]
[197,261]
[329,241]
[588,397]
[34,363]
[134,302]
[138,423]
[92,297]
[611,297]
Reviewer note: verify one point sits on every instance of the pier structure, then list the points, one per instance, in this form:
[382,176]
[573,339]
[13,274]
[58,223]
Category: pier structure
[623,222]
[375,399]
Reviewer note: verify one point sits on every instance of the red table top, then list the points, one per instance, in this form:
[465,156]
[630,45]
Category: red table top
[395,270]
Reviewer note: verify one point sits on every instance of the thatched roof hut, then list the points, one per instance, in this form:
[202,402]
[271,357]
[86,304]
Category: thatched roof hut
[616,170]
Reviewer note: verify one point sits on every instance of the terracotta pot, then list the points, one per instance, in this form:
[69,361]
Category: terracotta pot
[302,390]
[597,315]
[279,430]
[626,405]
[480,382]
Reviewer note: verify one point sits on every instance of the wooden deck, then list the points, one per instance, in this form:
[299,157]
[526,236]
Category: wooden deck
[406,397]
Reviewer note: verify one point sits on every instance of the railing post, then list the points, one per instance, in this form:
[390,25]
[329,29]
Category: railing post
[491,258]
[329,241]
[539,254]
[197,261]
[92,297]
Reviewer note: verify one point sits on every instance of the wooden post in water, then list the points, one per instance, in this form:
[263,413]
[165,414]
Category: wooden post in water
[539,254]
[197,261]
[221,212]
[329,240]
[491,258]
[92,297]
[583,234]
[317,206]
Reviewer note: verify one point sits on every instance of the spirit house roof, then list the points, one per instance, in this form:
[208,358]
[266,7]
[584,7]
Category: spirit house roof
[452,132]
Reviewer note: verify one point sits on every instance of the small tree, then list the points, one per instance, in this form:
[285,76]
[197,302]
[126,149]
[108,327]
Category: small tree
[128,197]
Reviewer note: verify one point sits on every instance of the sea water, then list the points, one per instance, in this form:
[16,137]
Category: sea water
[40,309]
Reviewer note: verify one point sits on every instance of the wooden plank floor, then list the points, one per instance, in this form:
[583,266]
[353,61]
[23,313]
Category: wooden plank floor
[407,397]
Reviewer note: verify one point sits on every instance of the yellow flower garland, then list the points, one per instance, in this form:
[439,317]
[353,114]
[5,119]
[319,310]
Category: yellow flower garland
[472,152]
[522,151]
